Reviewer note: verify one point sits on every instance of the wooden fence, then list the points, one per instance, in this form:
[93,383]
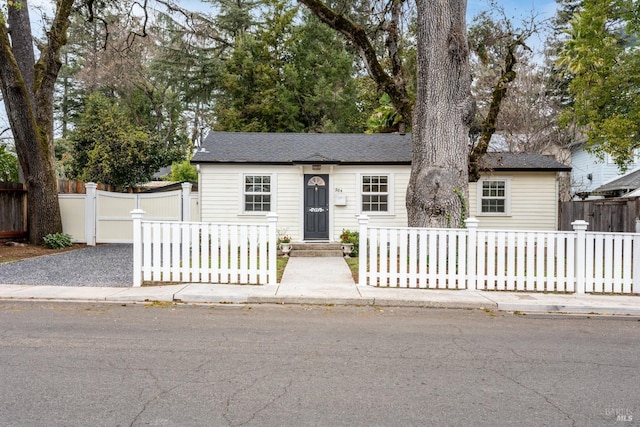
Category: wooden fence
[173,251]
[492,260]
[13,211]
[609,215]
[69,186]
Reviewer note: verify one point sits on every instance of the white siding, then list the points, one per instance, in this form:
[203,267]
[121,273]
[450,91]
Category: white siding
[584,164]
[347,179]
[222,196]
[533,197]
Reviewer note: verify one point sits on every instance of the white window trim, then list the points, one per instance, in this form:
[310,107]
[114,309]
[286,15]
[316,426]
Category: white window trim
[243,194]
[507,198]
[390,193]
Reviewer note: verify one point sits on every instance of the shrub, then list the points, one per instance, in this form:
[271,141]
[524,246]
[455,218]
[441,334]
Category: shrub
[57,241]
[348,236]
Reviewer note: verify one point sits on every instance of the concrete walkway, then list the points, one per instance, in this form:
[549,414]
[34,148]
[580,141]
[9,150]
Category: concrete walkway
[328,281]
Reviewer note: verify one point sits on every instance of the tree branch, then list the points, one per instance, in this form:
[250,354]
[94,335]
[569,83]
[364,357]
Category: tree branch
[358,37]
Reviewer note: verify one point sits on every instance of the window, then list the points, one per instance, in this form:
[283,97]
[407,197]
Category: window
[375,193]
[493,196]
[257,193]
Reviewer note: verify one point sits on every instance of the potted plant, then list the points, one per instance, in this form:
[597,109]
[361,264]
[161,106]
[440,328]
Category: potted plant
[285,244]
[347,241]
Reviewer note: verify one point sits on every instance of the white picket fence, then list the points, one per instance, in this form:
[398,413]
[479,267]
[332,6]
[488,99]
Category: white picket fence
[572,262]
[172,251]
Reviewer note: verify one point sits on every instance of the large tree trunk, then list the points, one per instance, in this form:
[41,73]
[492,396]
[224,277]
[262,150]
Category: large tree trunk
[444,109]
[27,88]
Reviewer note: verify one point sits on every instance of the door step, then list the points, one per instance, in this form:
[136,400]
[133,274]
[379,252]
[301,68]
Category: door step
[323,249]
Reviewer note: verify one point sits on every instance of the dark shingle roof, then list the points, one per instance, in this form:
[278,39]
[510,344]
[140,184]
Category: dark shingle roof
[286,148]
[627,182]
[521,162]
[291,148]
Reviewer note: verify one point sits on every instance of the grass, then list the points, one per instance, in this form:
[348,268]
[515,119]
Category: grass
[353,264]
[281,264]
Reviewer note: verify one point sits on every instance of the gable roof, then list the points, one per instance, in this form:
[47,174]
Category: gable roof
[344,149]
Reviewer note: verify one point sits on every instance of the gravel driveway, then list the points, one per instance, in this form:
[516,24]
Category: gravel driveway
[102,265]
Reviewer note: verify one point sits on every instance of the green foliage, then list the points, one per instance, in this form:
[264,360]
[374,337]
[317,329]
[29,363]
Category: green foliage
[64,158]
[463,210]
[109,148]
[385,118]
[348,236]
[8,165]
[602,56]
[183,171]
[57,241]
[288,73]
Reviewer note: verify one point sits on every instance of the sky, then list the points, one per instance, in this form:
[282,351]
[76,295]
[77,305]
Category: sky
[515,7]
[515,10]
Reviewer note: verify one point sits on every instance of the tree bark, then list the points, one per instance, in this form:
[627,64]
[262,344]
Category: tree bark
[488,128]
[27,87]
[444,110]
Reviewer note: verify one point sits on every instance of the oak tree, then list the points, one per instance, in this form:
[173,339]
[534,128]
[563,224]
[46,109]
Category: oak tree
[27,87]
[443,109]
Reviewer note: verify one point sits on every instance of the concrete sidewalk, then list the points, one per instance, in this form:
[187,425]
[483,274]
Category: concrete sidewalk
[328,281]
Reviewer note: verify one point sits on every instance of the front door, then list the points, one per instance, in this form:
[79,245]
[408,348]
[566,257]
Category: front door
[316,207]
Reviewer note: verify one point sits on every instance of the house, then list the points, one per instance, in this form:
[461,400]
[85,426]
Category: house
[588,172]
[319,183]
[624,186]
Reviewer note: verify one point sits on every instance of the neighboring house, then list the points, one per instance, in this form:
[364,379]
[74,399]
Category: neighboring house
[319,183]
[623,186]
[588,172]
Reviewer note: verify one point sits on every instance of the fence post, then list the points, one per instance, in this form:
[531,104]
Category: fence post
[90,214]
[580,227]
[472,251]
[186,201]
[363,250]
[137,215]
[272,218]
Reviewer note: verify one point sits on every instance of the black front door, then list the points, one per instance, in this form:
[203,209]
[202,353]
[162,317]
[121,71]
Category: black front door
[316,207]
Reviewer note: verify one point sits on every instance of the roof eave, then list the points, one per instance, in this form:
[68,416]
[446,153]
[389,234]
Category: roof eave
[508,169]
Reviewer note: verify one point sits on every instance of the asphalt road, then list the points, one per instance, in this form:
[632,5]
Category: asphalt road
[111,365]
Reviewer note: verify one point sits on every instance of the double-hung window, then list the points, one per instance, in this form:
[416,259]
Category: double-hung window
[493,197]
[257,193]
[375,193]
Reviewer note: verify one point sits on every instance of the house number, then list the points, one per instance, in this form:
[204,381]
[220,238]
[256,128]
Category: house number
[316,210]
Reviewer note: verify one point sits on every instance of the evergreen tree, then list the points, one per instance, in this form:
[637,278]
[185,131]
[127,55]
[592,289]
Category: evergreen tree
[108,147]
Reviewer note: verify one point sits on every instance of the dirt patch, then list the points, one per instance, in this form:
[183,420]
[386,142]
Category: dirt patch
[10,252]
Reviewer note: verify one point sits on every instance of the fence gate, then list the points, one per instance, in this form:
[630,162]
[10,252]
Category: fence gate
[105,217]
[113,212]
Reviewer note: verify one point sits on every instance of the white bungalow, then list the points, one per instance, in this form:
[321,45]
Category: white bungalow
[319,183]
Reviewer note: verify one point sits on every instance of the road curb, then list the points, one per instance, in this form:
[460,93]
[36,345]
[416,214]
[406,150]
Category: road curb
[574,309]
